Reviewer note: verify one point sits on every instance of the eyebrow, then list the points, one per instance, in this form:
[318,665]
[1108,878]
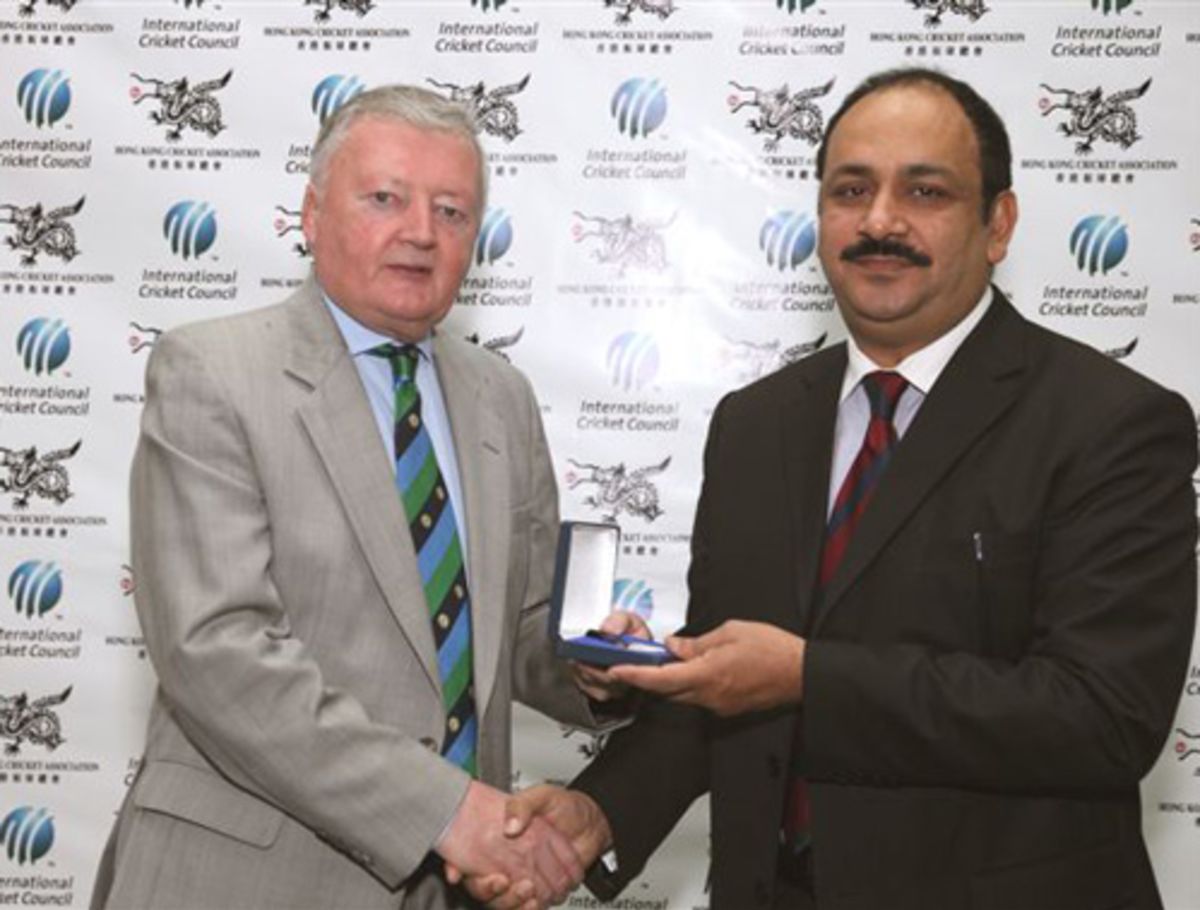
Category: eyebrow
[911,170]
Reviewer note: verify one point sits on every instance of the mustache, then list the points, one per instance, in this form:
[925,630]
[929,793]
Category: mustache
[870,246]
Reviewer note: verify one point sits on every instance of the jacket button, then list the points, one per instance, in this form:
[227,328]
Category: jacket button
[429,743]
[774,766]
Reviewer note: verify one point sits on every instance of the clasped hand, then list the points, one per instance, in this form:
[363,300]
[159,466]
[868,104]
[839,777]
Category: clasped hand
[536,853]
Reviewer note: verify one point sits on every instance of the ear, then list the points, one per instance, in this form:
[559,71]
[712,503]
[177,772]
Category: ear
[308,215]
[1001,223]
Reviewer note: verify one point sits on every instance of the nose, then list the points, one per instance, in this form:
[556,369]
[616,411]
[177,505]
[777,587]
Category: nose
[416,227]
[883,218]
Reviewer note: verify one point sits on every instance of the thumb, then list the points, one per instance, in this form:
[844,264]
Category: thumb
[520,809]
[685,648]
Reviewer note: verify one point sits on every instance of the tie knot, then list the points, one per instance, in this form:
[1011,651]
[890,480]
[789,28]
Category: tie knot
[403,358]
[884,389]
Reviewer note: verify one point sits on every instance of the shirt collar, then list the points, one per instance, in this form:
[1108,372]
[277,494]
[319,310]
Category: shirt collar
[360,339]
[920,368]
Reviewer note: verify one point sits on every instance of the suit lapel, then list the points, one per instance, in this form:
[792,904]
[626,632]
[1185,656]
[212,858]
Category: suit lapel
[480,444]
[338,420]
[808,417]
[977,386]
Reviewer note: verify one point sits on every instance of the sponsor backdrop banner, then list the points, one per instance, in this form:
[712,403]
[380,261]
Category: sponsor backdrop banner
[648,246]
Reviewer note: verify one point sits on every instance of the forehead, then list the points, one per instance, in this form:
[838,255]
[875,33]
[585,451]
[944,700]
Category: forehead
[380,147]
[905,126]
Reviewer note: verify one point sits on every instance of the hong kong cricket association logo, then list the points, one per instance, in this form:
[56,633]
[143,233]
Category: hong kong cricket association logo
[974,10]
[626,8]
[287,221]
[31,722]
[782,113]
[142,337]
[1188,744]
[27,6]
[182,105]
[498,344]
[619,490]
[493,111]
[325,8]
[41,233]
[1092,115]
[1195,238]
[625,242]
[25,474]
[750,360]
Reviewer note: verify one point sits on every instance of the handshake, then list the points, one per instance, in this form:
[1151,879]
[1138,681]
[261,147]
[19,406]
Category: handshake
[530,850]
[526,851]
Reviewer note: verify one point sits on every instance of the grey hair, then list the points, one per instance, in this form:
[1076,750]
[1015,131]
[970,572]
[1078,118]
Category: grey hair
[409,104]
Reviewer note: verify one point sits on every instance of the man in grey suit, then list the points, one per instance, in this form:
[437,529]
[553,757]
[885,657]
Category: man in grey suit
[339,635]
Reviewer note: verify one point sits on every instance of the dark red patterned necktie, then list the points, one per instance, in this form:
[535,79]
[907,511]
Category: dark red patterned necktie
[883,392]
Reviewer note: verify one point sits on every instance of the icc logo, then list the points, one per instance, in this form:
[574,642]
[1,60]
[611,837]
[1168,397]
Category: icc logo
[633,595]
[191,228]
[495,236]
[332,92]
[1111,6]
[632,360]
[794,5]
[44,95]
[44,345]
[788,238]
[35,587]
[1099,243]
[640,106]
[27,834]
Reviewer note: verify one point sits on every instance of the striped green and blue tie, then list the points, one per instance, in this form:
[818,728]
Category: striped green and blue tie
[434,531]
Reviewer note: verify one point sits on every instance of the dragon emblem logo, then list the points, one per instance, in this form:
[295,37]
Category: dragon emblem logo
[624,241]
[288,222]
[26,8]
[972,9]
[498,344]
[619,490]
[359,7]
[39,232]
[24,721]
[626,8]
[29,475]
[750,360]
[142,337]
[1188,744]
[494,113]
[781,113]
[1092,116]
[1120,353]
[182,105]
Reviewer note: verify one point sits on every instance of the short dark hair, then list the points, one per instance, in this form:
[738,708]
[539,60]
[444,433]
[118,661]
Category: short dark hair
[995,153]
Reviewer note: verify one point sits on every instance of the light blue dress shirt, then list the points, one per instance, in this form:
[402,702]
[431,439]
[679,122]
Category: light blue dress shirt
[376,375]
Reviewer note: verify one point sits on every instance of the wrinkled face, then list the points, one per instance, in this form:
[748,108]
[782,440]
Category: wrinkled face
[392,227]
[902,240]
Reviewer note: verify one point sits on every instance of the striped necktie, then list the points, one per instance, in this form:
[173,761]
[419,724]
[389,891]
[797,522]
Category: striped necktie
[883,392]
[431,521]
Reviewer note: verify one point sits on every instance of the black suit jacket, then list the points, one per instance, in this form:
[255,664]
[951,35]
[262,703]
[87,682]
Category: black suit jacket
[991,671]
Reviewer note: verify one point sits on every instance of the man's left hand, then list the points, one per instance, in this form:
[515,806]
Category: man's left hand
[738,667]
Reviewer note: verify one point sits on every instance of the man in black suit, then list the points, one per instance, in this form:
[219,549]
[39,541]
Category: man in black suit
[951,703]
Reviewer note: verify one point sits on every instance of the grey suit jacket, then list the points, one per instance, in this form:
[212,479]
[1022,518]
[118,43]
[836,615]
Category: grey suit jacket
[293,749]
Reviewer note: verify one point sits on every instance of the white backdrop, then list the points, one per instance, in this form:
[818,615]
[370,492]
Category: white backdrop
[648,247]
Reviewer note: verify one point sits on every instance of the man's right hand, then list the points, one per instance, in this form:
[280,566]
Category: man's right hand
[596,683]
[483,843]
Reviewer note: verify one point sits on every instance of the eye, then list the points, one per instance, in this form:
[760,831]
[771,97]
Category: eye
[925,191]
[382,197]
[849,192]
[452,214]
